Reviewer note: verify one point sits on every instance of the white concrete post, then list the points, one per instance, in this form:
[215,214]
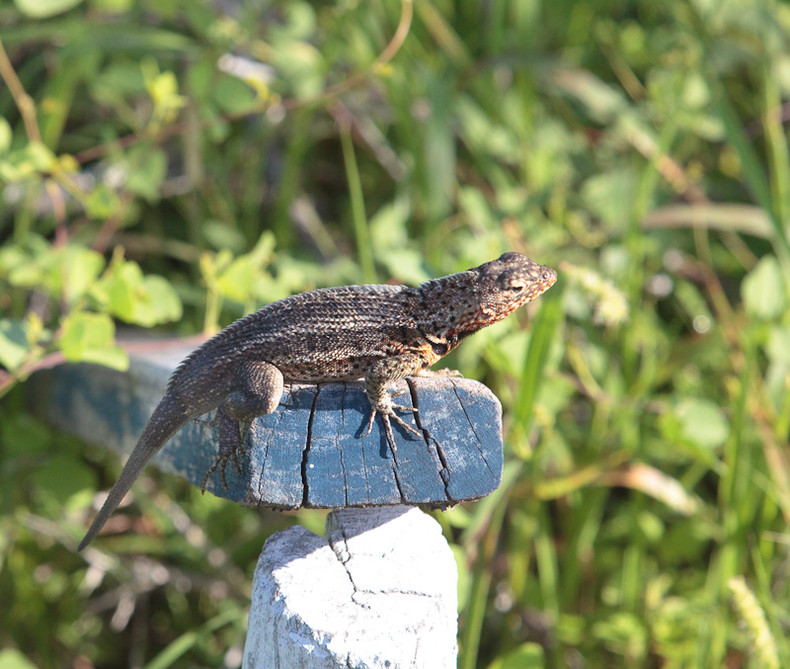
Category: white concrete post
[378,591]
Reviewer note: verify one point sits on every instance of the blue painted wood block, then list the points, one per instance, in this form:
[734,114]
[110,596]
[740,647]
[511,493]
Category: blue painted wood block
[312,451]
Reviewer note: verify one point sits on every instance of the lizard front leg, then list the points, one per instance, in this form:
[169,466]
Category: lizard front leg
[260,390]
[390,369]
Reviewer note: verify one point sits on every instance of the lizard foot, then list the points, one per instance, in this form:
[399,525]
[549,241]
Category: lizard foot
[221,463]
[387,411]
[232,438]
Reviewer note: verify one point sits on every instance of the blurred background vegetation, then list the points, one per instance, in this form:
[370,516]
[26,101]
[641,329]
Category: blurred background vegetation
[177,163]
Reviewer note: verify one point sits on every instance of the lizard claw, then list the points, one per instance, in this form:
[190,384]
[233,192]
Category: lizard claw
[390,438]
[403,407]
[371,418]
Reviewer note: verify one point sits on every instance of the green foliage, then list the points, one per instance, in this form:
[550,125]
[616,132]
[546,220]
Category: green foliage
[526,656]
[163,162]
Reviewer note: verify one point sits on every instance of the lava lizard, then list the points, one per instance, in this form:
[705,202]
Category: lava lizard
[382,333]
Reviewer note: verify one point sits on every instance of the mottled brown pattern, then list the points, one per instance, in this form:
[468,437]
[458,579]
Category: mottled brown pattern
[381,333]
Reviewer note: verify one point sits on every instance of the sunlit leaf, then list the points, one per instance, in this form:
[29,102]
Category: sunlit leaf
[236,281]
[6,135]
[11,658]
[703,422]
[137,298]
[42,9]
[76,271]
[89,337]
[102,202]
[779,344]
[763,290]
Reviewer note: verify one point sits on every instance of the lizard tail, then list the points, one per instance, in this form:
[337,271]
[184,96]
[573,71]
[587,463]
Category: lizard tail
[168,417]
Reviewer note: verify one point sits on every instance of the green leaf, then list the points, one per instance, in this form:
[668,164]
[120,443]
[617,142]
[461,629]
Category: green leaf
[147,172]
[6,134]
[67,273]
[233,96]
[158,302]
[27,162]
[602,102]
[41,156]
[118,288]
[65,483]
[702,422]
[102,203]
[26,275]
[763,290]
[474,204]
[464,575]
[624,633]
[11,257]
[17,166]
[91,338]
[484,136]
[138,299]
[117,82]
[42,9]
[22,435]
[610,195]
[219,235]
[11,658]
[163,89]
[392,245]
[76,271]
[237,280]
[527,656]
[300,20]
[301,64]
[13,344]
[778,347]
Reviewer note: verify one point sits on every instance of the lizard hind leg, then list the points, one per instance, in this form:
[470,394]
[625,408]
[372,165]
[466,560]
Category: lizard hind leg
[390,369]
[232,440]
[260,388]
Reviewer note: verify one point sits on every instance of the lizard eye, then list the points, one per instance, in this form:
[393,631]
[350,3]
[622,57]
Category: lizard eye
[516,287]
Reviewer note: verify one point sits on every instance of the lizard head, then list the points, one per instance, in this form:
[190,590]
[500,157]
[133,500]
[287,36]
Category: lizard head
[452,307]
[499,288]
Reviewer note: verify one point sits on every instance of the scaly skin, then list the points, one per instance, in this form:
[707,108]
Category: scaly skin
[381,333]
